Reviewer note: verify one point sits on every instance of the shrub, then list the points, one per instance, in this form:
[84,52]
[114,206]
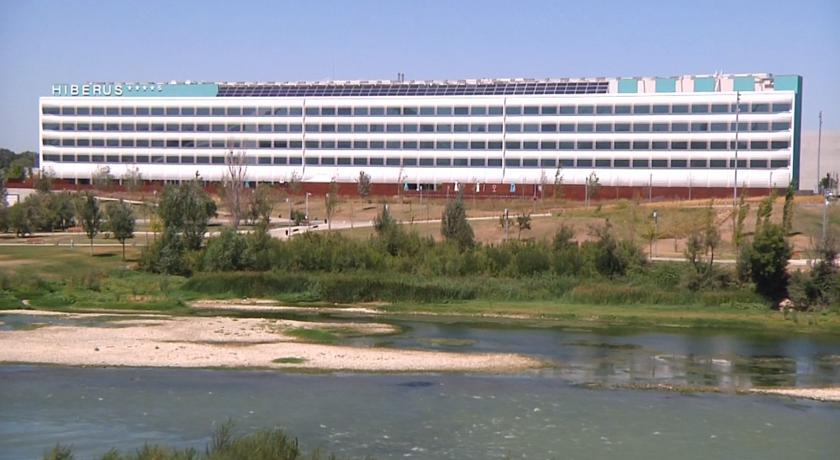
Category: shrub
[226,252]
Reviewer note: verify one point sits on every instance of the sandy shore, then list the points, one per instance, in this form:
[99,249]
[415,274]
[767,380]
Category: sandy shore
[167,341]
[820,394]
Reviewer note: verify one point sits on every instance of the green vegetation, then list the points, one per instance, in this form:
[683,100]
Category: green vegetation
[314,335]
[224,445]
[120,222]
[289,360]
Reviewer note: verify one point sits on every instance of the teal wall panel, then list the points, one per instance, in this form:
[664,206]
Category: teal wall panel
[171,90]
[704,85]
[666,85]
[787,82]
[628,85]
[744,84]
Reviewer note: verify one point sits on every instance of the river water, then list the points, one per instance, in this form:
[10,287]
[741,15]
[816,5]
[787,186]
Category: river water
[548,413]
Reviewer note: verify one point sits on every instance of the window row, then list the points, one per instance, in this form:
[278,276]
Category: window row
[665,127]
[424,162]
[422,145]
[376,111]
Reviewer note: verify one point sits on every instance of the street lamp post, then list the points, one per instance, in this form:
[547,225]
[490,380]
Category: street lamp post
[737,131]
[306,205]
[819,145]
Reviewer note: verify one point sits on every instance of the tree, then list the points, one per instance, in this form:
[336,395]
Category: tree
[260,205]
[787,211]
[363,184]
[226,252]
[384,223]
[4,206]
[102,179]
[132,180]
[828,182]
[768,259]
[186,209]
[43,181]
[523,222]
[557,190]
[711,237]
[764,211]
[331,203]
[454,225]
[742,212]
[120,222]
[233,183]
[90,216]
[294,183]
[592,187]
[19,221]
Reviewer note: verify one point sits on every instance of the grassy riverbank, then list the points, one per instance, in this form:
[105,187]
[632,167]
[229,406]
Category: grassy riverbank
[72,280]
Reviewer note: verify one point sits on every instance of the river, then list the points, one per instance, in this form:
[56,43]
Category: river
[549,413]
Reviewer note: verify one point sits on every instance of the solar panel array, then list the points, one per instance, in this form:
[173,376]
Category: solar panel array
[411,89]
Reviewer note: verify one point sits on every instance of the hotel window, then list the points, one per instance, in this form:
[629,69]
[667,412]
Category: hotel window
[68,142]
[82,110]
[460,145]
[216,127]
[585,145]
[548,163]
[660,109]
[531,110]
[111,111]
[97,158]
[567,128]
[700,108]
[478,162]
[778,163]
[460,162]
[530,145]
[585,110]
[758,145]
[699,127]
[112,158]
[719,127]
[187,111]
[622,109]
[344,128]
[409,128]
[409,145]
[603,145]
[758,163]
[478,145]
[718,145]
[679,127]
[172,127]
[698,163]
[641,127]
[392,161]
[262,127]
[679,108]
[478,111]
[68,158]
[328,128]
[461,127]
[160,143]
[170,111]
[495,110]
[781,107]
[777,145]
[68,126]
[246,111]
[604,110]
[84,158]
[203,111]
[68,110]
[98,142]
[621,145]
[548,145]
[494,162]
[603,127]
[187,159]
[621,163]
[513,145]
[603,163]
[548,127]
[327,111]
[478,128]
[115,127]
[781,126]
[144,127]
[641,109]
[142,142]
[567,163]
[443,162]
[410,162]
[144,111]
[679,145]
[50,110]
[83,143]
[444,111]
[660,127]
[699,145]
[659,163]
[760,108]
[530,163]
[717,164]
[659,145]
[760,126]
[720,108]
[679,163]
[567,110]
[512,162]
[427,145]
[622,127]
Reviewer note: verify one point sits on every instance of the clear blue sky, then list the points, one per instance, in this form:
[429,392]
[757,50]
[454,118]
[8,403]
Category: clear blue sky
[45,42]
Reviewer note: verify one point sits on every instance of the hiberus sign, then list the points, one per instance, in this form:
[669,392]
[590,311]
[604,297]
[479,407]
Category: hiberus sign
[135,90]
[88,89]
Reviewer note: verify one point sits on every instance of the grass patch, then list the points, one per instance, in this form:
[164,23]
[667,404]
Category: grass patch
[444,342]
[289,360]
[314,335]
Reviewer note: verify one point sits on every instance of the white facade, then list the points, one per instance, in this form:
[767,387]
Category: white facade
[674,139]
